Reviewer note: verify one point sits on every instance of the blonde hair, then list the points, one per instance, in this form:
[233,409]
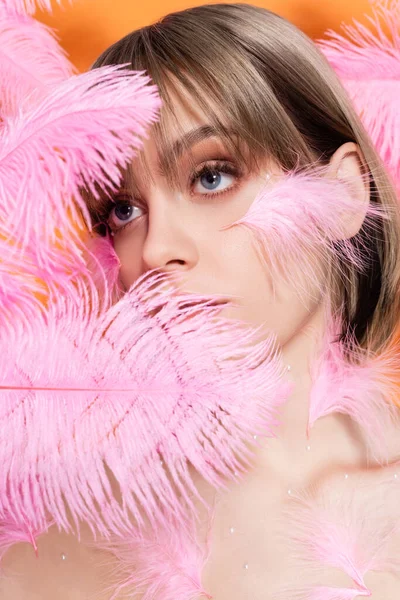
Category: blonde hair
[283,99]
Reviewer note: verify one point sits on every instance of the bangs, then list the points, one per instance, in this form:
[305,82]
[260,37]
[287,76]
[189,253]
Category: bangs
[243,147]
[196,77]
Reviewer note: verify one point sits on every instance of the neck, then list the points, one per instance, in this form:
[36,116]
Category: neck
[298,354]
[291,454]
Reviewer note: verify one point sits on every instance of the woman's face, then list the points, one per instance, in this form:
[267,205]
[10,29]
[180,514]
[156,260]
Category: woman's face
[180,228]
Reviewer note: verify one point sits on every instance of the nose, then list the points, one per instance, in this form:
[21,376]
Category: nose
[169,243]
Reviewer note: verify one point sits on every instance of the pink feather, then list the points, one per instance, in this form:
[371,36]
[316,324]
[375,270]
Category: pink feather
[82,132]
[20,290]
[329,593]
[13,531]
[31,61]
[360,386]
[26,287]
[296,221]
[320,592]
[154,362]
[368,63]
[28,6]
[348,525]
[103,266]
[163,563]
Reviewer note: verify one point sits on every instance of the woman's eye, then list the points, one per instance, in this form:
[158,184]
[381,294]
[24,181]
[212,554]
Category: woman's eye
[209,180]
[216,178]
[123,213]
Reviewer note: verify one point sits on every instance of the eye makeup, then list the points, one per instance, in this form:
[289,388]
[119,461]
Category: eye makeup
[124,199]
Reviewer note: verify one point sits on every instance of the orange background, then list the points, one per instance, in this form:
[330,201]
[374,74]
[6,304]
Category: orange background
[86,27]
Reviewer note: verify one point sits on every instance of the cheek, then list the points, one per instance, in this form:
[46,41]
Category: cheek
[265,299]
[230,264]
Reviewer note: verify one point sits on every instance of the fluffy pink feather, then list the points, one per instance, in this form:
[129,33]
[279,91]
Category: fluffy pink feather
[298,222]
[28,6]
[329,593]
[321,592]
[348,525]
[14,531]
[368,62]
[103,266]
[163,563]
[154,362]
[360,386]
[21,293]
[83,131]
[31,61]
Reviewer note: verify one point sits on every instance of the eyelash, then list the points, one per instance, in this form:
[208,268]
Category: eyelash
[216,165]
[219,167]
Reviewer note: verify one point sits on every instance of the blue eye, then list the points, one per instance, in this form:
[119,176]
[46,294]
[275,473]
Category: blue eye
[210,180]
[123,212]
[210,177]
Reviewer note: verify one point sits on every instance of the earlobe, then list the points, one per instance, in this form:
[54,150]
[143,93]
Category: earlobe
[347,165]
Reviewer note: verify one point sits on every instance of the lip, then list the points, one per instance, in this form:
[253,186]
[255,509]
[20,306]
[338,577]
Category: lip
[193,298]
[172,286]
[185,301]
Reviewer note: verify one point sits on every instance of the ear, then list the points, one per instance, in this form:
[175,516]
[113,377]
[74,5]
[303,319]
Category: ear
[347,164]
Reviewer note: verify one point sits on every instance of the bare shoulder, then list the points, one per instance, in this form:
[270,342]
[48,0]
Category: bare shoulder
[63,568]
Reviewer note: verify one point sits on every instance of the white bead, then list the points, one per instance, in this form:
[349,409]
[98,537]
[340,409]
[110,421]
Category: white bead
[255,437]
[63,556]
[346,475]
[246,566]
[289,491]
[395,476]
[308,448]
[232,530]
[288,367]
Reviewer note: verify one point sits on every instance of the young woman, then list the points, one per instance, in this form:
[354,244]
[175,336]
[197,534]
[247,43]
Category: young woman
[250,104]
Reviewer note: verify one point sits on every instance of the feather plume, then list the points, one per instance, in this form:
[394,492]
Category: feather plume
[14,531]
[103,266]
[21,293]
[348,524]
[362,386]
[31,61]
[26,288]
[82,132]
[368,63]
[330,593]
[321,592]
[164,563]
[154,362]
[299,227]
[28,6]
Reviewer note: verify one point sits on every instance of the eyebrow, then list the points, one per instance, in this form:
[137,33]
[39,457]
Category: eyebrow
[188,139]
[192,137]
[178,147]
